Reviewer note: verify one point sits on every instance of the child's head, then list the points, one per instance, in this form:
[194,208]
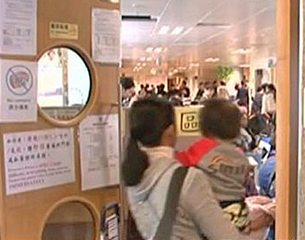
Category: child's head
[220,118]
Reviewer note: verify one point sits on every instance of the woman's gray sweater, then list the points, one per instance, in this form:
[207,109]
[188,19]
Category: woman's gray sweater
[198,211]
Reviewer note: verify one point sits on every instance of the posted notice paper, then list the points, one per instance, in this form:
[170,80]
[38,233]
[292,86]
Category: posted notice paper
[99,141]
[106,28]
[38,159]
[18,93]
[18,27]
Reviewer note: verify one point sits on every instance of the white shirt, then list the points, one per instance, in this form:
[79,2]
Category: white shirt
[268,103]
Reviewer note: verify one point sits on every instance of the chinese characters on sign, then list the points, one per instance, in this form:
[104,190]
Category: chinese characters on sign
[38,159]
[63,30]
[18,93]
[99,140]
[106,28]
[18,27]
[187,121]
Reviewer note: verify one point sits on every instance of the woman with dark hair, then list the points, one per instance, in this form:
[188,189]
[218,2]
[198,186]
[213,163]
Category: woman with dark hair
[147,170]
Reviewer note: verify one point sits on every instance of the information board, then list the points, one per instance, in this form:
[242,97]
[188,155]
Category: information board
[38,159]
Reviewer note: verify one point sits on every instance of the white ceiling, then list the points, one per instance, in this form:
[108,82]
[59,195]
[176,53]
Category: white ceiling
[247,24]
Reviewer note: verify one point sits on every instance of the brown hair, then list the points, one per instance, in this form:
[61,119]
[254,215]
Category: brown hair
[220,118]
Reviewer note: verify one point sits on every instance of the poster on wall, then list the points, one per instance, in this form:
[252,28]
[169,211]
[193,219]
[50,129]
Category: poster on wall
[99,141]
[18,23]
[106,27]
[18,93]
[38,159]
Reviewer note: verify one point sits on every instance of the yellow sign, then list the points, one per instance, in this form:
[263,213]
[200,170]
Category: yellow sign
[187,121]
[63,30]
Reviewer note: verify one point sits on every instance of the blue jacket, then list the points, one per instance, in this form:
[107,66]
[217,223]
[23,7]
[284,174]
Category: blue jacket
[266,176]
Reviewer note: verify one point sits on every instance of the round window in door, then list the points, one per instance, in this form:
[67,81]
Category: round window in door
[64,83]
[70,221]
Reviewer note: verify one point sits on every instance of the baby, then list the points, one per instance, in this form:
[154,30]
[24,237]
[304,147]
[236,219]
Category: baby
[225,165]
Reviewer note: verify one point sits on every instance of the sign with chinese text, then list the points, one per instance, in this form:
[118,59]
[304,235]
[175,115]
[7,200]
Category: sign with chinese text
[18,93]
[187,121]
[38,159]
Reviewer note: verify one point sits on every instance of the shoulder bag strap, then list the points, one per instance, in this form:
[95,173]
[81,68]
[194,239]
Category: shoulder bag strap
[166,224]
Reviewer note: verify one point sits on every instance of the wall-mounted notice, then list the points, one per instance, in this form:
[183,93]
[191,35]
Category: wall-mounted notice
[38,159]
[106,26]
[18,27]
[99,140]
[18,93]
[63,30]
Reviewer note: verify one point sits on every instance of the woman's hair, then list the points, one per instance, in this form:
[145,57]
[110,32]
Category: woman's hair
[148,120]
[220,118]
[272,88]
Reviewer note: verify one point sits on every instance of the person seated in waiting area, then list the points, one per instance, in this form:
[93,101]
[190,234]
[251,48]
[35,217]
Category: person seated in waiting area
[226,165]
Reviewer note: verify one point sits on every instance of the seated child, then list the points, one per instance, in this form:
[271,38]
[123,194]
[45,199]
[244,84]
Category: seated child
[225,165]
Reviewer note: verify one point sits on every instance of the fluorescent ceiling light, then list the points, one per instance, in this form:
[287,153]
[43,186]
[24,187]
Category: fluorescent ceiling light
[138,64]
[194,64]
[158,50]
[149,49]
[149,59]
[115,1]
[143,64]
[213,60]
[142,59]
[244,65]
[177,31]
[242,51]
[224,26]
[163,30]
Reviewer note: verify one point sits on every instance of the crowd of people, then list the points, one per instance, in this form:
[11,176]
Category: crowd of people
[220,187]
[263,101]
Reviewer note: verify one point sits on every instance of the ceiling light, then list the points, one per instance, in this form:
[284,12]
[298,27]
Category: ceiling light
[158,50]
[245,65]
[177,31]
[149,59]
[115,1]
[165,49]
[149,49]
[143,64]
[142,59]
[194,64]
[164,30]
[213,60]
[138,64]
[242,51]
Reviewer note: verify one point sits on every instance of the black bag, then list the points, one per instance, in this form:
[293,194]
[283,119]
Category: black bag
[166,223]
[132,231]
